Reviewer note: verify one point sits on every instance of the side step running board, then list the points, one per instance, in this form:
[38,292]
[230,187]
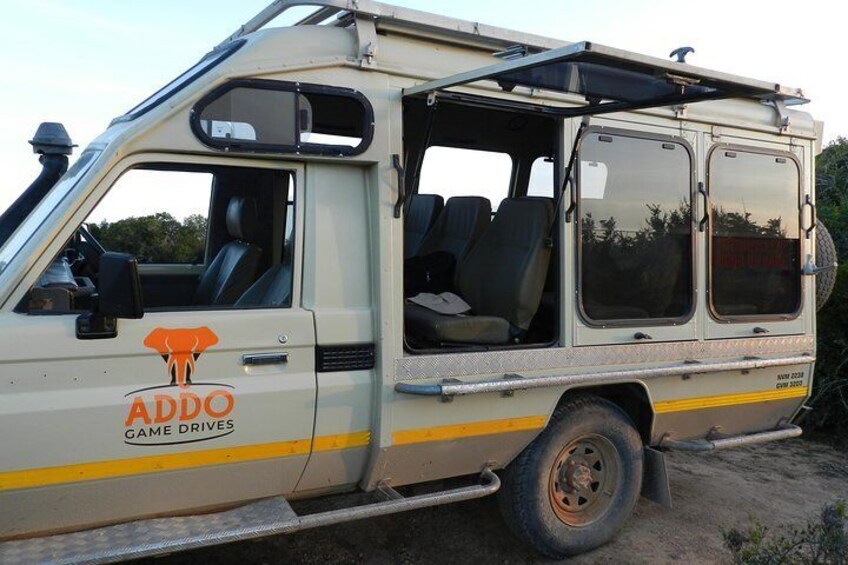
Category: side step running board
[159,536]
[784,432]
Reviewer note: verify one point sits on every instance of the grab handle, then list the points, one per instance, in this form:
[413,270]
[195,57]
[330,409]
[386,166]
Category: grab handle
[702,224]
[401,182]
[808,201]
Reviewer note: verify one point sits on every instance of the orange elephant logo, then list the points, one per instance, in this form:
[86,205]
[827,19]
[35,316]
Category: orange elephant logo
[180,348]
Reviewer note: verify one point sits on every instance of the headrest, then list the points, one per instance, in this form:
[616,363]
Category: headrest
[423,211]
[242,218]
[469,204]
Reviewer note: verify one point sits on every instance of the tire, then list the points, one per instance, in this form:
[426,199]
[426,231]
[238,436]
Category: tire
[825,257]
[559,461]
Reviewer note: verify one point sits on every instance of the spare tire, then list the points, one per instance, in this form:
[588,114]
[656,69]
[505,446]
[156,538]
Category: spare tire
[825,257]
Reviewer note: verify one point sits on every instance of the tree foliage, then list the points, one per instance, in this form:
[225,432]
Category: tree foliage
[158,238]
[830,393]
[832,192]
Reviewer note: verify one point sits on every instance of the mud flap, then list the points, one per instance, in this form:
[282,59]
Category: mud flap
[655,485]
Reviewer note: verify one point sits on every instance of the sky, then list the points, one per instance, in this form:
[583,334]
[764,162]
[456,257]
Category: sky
[84,62]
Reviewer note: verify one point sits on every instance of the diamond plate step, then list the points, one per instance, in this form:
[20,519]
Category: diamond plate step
[153,537]
[159,536]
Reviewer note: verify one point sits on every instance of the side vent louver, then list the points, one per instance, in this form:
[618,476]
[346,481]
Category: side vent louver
[331,358]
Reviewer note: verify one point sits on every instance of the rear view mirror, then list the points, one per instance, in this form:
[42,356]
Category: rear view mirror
[119,287]
[119,296]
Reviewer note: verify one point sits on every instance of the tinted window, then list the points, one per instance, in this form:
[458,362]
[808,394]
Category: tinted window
[541,181]
[636,228]
[755,243]
[465,172]
[277,116]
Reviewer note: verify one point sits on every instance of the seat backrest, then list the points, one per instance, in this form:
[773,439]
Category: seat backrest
[504,274]
[459,227]
[273,289]
[421,214]
[234,268]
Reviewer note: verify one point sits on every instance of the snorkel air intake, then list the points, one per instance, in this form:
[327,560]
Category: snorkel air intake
[53,144]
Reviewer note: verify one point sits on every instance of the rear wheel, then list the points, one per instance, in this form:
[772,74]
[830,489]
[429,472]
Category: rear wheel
[573,488]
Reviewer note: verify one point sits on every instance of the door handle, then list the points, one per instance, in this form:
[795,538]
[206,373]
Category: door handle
[264,358]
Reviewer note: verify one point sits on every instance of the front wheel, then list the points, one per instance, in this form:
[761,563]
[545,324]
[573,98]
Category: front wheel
[573,488]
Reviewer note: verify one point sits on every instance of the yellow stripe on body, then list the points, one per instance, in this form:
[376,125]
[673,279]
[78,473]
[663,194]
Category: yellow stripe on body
[705,402]
[471,429]
[79,472]
[343,441]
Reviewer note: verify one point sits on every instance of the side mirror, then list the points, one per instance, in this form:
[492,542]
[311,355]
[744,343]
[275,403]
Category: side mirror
[118,296]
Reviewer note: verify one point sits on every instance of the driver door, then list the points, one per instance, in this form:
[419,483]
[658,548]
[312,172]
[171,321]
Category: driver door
[186,408]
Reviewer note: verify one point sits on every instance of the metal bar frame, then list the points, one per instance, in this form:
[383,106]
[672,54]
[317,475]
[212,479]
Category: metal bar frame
[515,382]
[755,88]
[786,431]
[266,517]
[406,18]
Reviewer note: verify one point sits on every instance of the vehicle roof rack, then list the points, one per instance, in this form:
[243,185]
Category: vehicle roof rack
[339,12]
[609,79]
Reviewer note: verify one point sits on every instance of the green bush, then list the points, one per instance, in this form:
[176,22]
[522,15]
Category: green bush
[830,392]
[821,541]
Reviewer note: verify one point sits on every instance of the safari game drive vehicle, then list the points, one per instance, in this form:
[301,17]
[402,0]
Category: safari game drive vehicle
[394,248]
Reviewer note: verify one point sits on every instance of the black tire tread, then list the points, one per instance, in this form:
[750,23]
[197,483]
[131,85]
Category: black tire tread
[517,477]
[825,257]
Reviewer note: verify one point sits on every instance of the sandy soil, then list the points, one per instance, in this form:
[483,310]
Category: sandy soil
[781,483]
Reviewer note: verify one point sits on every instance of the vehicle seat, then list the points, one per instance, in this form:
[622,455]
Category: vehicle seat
[234,268]
[501,278]
[420,216]
[273,289]
[459,227]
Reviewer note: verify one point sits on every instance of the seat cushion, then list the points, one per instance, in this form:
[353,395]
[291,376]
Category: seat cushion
[504,274]
[230,274]
[431,326]
[273,289]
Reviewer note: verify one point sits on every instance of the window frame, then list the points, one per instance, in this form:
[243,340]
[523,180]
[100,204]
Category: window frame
[739,148]
[307,148]
[578,224]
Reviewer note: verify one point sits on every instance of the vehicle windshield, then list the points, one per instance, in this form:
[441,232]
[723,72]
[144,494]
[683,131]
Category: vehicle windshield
[52,200]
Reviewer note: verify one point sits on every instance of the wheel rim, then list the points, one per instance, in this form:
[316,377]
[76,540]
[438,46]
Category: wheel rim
[583,480]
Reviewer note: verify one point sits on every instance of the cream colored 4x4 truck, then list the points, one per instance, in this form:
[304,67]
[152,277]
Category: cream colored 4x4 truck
[424,249]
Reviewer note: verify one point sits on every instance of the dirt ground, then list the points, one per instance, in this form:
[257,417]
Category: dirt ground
[780,483]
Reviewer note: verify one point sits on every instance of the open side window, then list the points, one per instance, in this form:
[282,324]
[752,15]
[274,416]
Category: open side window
[483,272]
[203,236]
